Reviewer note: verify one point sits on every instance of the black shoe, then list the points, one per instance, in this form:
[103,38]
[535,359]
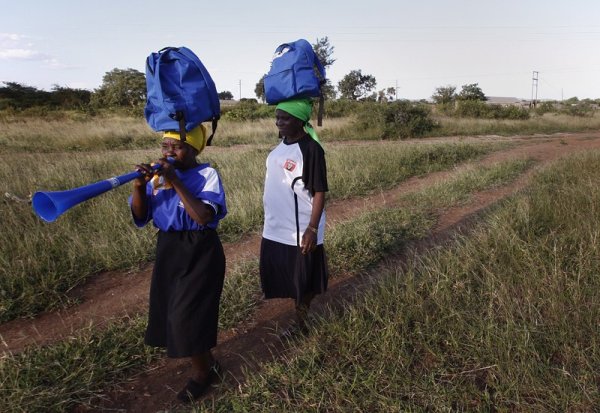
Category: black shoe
[193,389]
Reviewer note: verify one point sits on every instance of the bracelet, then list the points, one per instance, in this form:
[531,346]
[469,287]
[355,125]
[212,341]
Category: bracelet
[313,229]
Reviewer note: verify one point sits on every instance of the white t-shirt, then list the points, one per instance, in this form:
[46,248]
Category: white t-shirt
[303,160]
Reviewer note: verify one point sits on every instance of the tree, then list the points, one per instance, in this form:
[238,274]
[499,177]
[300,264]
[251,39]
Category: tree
[444,95]
[328,90]
[355,85]
[386,95]
[68,98]
[471,92]
[20,96]
[121,88]
[259,90]
[226,95]
[324,51]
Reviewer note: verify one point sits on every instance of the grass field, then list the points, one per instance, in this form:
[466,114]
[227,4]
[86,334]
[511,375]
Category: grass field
[353,246]
[79,133]
[43,261]
[503,318]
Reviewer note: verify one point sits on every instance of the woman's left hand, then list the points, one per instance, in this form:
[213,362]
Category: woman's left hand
[309,242]
[167,170]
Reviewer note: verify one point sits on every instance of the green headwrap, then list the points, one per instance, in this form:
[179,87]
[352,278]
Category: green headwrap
[301,109]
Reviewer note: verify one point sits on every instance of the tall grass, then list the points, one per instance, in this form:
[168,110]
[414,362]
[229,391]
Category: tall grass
[75,132]
[264,132]
[389,225]
[41,262]
[547,124]
[352,246]
[84,133]
[505,319]
[58,377]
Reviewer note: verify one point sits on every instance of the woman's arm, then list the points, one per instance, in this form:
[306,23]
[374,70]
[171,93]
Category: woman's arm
[196,209]
[309,238]
[139,201]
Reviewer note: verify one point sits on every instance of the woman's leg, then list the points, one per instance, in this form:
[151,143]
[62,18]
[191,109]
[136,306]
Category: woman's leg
[205,371]
[201,365]
[302,311]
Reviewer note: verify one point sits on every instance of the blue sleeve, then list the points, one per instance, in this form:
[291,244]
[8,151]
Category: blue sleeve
[213,192]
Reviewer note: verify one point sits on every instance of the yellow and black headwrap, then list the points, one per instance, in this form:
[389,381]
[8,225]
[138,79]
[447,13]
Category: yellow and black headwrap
[196,137]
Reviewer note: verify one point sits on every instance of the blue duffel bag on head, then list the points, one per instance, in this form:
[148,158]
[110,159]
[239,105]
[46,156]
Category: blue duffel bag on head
[181,93]
[296,72]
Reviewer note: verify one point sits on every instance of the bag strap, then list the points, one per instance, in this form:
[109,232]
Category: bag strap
[179,116]
[296,211]
[321,109]
[322,81]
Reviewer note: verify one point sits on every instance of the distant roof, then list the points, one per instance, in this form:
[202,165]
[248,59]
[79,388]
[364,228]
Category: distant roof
[503,99]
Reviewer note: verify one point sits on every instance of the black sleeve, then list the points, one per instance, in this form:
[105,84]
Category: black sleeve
[314,172]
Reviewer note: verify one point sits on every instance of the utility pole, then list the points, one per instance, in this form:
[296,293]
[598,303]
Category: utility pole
[240,89]
[534,89]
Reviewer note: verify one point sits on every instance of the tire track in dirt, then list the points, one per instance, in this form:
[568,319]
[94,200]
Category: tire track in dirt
[115,294]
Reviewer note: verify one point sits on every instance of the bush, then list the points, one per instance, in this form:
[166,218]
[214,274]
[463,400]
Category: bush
[471,109]
[581,109]
[400,119]
[248,110]
[509,112]
[480,109]
[545,107]
[340,108]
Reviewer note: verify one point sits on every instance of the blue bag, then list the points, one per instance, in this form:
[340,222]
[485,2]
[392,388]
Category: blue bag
[295,72]
[181,93]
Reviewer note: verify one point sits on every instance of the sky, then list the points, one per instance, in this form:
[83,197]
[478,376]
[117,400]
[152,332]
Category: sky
[413,46]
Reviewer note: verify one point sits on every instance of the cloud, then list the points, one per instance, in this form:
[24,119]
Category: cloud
[19,47]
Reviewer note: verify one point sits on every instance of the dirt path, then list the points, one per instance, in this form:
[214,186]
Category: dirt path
[103,297]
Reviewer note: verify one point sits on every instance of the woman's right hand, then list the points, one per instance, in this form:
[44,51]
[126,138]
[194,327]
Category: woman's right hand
[146,174]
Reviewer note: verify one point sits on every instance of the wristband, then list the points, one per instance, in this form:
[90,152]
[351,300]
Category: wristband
[312,229]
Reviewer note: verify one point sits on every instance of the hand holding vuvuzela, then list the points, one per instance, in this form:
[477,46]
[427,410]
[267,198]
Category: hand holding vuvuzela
[50,205]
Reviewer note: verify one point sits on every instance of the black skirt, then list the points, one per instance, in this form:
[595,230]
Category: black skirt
[286,273]
[185,291]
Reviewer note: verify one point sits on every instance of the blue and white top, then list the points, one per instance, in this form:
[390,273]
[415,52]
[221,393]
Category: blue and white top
[165,207]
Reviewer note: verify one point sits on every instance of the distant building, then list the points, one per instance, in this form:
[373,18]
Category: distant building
[507,101]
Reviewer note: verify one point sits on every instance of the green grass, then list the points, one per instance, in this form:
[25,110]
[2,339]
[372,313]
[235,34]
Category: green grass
[58,377]
[77,132]
[352,246]
[41,262]
[81,133]
[504,319]
[549,123]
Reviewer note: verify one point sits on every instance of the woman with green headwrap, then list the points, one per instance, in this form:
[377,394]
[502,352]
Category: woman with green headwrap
[292,257]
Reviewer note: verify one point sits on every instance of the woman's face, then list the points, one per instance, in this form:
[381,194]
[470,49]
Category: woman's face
[288,125]
[184,154]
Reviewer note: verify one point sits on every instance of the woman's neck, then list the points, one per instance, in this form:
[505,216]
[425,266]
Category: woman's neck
[294,138]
